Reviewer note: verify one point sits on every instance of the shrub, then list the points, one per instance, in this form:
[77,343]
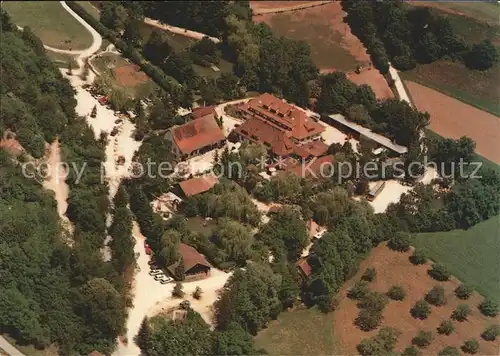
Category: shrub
[410,351]
[197,293]
[368,319]
[359,290]
[449,351]
[436,296]
[423,339]
[481,56]
[419,257]
[381,344]
[178,291]
[463,291]
[369,275]
[461,312]
[396,293]
[488,308]
[373,301]
[491,332]
[471,346]
[420,310]
[439,272]
[400,241]
[446,327]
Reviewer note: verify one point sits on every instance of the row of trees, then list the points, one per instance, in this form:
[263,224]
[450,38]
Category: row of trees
[391,30]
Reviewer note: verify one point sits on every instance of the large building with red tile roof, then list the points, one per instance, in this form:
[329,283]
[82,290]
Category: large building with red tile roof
[193,262]
[284,129]
[196,137]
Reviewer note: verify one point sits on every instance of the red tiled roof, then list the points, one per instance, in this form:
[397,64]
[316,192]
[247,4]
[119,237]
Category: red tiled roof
[198,185]
[273,138]
[190,258]
[196,134]
[203,111]
[304,266]
[317,166]
[315,148]
[296,121]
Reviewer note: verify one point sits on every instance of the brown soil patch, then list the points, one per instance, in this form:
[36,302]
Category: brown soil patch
[452,118]
[130,75]
[320,26]
[371,77]
[395,268]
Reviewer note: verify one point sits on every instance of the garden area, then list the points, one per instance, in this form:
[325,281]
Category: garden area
[399,302]
[50,22]
[299,332]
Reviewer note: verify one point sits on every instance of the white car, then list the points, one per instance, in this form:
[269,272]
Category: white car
[166,280]
[155,272]
[159,277]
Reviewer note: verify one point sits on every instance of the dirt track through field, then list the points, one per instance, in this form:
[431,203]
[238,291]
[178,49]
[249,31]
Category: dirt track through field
[395,268]
[451,118]
[269,7]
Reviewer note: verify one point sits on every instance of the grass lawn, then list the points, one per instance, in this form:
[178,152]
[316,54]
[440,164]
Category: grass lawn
[197,224]
[479,10]
[473,255]
[51,22]
[61,60]
[476,88]
[301,332]
[224,66]
[325,43]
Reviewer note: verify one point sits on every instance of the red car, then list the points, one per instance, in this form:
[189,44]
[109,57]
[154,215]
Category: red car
[147,248]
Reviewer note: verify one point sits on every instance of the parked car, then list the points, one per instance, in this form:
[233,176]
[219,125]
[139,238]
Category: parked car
[114,131]
[158,277]
[166,280]
[154,267]
[155,272]
[118,121]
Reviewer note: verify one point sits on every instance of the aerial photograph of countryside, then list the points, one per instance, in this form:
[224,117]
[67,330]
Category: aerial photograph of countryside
[233,178]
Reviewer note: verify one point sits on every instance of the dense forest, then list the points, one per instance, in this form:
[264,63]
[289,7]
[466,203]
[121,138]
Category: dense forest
[405,36]
[52,293]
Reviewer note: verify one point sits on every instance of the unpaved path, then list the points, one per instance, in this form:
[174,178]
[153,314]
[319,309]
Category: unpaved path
[56,181]
[273,7]
[179,30]
[8,348]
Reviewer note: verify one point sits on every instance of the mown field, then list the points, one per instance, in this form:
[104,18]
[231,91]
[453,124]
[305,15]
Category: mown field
[477,88]
[473,255]
[300,332]
[50,22]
